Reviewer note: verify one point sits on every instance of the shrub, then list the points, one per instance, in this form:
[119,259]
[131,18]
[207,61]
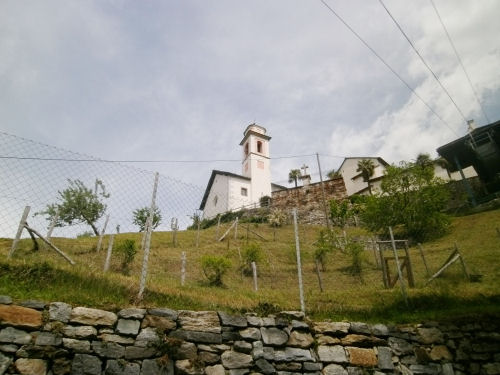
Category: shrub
[277,217]
[265,201]
[251,253]
[356,251]
[214,268]
[340,212]
[324,246]
[126,248]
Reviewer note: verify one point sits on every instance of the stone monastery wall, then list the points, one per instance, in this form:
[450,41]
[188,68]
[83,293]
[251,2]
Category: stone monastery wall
[309,199]
[56,338]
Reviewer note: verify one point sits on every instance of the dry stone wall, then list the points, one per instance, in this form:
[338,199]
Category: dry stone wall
[309,199]
[56,339]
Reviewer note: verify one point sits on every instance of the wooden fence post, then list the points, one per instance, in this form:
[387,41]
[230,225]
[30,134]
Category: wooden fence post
[99,243]
[299,264]
[254,272]
[20,228]
[401,281]
[183,268]
[108,255]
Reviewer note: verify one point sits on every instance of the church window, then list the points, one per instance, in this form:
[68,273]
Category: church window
[259,147]
[246,149]
[244,191]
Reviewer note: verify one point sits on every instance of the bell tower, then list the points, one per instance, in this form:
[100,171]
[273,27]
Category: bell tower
[256,161]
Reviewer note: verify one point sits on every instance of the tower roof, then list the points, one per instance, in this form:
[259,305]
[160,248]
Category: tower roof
[254,129]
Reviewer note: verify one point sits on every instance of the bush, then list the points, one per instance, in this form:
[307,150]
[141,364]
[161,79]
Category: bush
[214,268]
[277,217]
[126,248]
[324,246]
[356,251]
[251,253]
[340,212]
[265,201]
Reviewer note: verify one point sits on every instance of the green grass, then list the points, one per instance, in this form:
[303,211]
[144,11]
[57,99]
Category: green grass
[44,275]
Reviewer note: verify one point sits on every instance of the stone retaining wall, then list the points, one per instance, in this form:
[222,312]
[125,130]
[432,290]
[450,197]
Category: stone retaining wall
[56,338]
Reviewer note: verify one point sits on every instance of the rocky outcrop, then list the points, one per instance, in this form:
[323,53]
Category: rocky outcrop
[59,339]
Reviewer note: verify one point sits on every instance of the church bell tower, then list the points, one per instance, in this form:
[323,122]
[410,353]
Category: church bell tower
[256,161]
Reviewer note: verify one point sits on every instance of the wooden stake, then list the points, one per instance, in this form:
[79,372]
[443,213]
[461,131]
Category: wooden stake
[254,272]
[20,228]
[99,243]
[108,255]
[218,227]
[227,231]
[236,230]
[420,248]
[401,281]
[183,268]
[51,245]
[299,264]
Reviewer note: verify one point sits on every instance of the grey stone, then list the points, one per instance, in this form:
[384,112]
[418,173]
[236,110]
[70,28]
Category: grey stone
[4,363]
[334,328]
[93,317]
[221,347]
[33,304]
[312,366]
[228,336]
[232,320]
[5,300]
[400,346]
[156,367]
[215,370]
[354,371]
[239,371]
[114,367]
[187,350]
[128,327]
[108,349]
[298,324]
[448,369]
[380,330]
[233,360]
[273,336]
[47,338]
[60,311]
[8,348]
[27,366]
[147,337]
[254,321]
[358,327]
[242,346]
[108,337]
[197,337]
[430,369]
[132,313]
[300,339]
[84,364]
[268,353]
[268,321]
[188,367]
[199,321]
[334,370]
[165,313]
[250,333]
[491,368]
[430,336]
[80,331]
[288,366]
[293,355]
[385,358]
[258,350]
[137,352]
[79,346]
[289,315]
[332,354]
[265,367]
[14,336]
[209,358]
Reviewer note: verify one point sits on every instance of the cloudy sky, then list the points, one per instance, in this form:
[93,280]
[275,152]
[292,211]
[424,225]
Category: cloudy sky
[180,80]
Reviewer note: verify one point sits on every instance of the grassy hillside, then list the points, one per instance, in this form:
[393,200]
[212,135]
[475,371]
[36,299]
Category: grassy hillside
[46,276]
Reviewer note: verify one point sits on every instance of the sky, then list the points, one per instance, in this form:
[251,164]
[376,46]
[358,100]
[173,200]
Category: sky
[181,80]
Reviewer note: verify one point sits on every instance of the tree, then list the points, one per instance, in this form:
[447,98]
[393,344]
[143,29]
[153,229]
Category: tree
[293,176]
[412,199]
[141,217]
[366,168]
[340,212]
[79,204]
[215,267]
[333,174]
[443,163]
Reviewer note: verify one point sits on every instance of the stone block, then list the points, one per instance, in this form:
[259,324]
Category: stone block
[12,335]
[197,337]
[147,337]
[165,313]
[293,355]
[5,300]
[400,346]
[128,327]
[47,338]
[209,358]
[138,352]
[288,366]
[385,358]
[159,322]
[360,328]
[8,348]
[188,367]
[300,339]
[362,341]
[5,362]
[250,333]
[234,360]
[232,320]
[84,364]
[92,317]
[362,357]
[327,340]
[273,336]
[187,350]
[60,311]
[114,367]
[430,336]
[33,304]
[430,369]
[215,370]
[19,316]
[254,321]
[265,367]
[332,328]
[108,349]
[31,366]
[242,346]
[334,370]
[299,324]
[380,330]
[440,352]
[132,313]
[334,354]
[157,367]
[80,331]
[312,366]
[199,321]
[109,337]
[78,346]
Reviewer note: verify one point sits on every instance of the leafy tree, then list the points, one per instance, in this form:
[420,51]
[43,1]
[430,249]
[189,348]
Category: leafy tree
[293,176]
[214,268]
[412,198]
[141,217]
[340,212]
[251,253]
[366,168]
[277,217]
[79,204]
[324,245]
[333,174]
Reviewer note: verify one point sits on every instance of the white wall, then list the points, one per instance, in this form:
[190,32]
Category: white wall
[236,200]
[348,171]
[220,188]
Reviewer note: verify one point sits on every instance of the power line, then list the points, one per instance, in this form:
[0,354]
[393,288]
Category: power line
[422,59]
[386,64]
[460,61]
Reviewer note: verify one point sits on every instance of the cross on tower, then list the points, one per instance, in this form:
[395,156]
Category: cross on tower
[304,168]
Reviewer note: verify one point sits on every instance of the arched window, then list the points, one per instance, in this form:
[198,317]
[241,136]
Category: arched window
[259,147]
[246,149]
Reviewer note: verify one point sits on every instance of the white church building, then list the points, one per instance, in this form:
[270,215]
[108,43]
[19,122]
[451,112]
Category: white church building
[228,191]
